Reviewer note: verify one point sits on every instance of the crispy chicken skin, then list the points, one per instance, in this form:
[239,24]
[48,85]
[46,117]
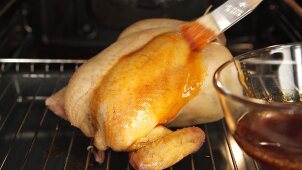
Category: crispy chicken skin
[82,84]
[149,77]
[168,150]
[146,88]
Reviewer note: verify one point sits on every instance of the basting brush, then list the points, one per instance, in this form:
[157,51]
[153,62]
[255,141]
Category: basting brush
[203,30]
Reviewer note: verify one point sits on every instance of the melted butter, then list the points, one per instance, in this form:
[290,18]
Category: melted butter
[192,79]
[194,76]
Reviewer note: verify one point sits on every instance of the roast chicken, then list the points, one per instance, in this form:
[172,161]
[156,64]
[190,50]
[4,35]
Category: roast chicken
[148,78]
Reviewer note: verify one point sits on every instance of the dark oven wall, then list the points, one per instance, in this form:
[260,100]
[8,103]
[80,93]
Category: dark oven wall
[80,29]
[92,25]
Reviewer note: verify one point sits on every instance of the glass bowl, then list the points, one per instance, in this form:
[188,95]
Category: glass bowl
[261,96]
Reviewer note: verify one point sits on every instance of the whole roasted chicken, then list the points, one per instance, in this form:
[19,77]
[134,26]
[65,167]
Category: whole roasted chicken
[148,78]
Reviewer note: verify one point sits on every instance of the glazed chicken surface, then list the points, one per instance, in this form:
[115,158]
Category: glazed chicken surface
[148,78]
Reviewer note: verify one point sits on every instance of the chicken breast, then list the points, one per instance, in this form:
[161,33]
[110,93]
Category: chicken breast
[146,88]
[149,77]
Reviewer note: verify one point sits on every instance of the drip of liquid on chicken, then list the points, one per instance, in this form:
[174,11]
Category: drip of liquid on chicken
[146,88]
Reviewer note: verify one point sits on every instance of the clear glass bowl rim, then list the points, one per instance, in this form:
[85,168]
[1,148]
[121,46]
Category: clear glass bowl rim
[248,100]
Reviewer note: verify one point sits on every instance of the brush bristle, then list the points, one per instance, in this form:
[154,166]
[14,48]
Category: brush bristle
[197,35]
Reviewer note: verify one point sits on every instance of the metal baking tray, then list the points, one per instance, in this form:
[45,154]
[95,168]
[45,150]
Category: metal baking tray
[32,137]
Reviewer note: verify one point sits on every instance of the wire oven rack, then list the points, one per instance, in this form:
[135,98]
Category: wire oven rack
[32,137]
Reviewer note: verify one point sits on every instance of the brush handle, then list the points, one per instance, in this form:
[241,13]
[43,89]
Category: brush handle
[232,11]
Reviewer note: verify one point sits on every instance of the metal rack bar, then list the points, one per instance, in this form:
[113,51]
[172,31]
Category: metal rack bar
[10,110]
[88,156]
[108,160]
[229,146]
[293,86]
[5,90]
[256,165]
[37,130]
[43,61]
[52,143]
[20,127]
[8,5]
[29,109]
[33,140]
[9,113]
[192,162]
[210,147]
[267,94]
[69,149]
[288,28]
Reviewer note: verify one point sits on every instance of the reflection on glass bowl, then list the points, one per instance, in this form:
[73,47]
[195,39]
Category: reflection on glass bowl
[263,103]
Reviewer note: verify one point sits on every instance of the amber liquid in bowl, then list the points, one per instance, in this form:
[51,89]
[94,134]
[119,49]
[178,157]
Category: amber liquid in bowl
[272,139]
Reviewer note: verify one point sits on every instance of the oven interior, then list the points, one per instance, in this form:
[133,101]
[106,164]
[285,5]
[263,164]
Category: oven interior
[43,42]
